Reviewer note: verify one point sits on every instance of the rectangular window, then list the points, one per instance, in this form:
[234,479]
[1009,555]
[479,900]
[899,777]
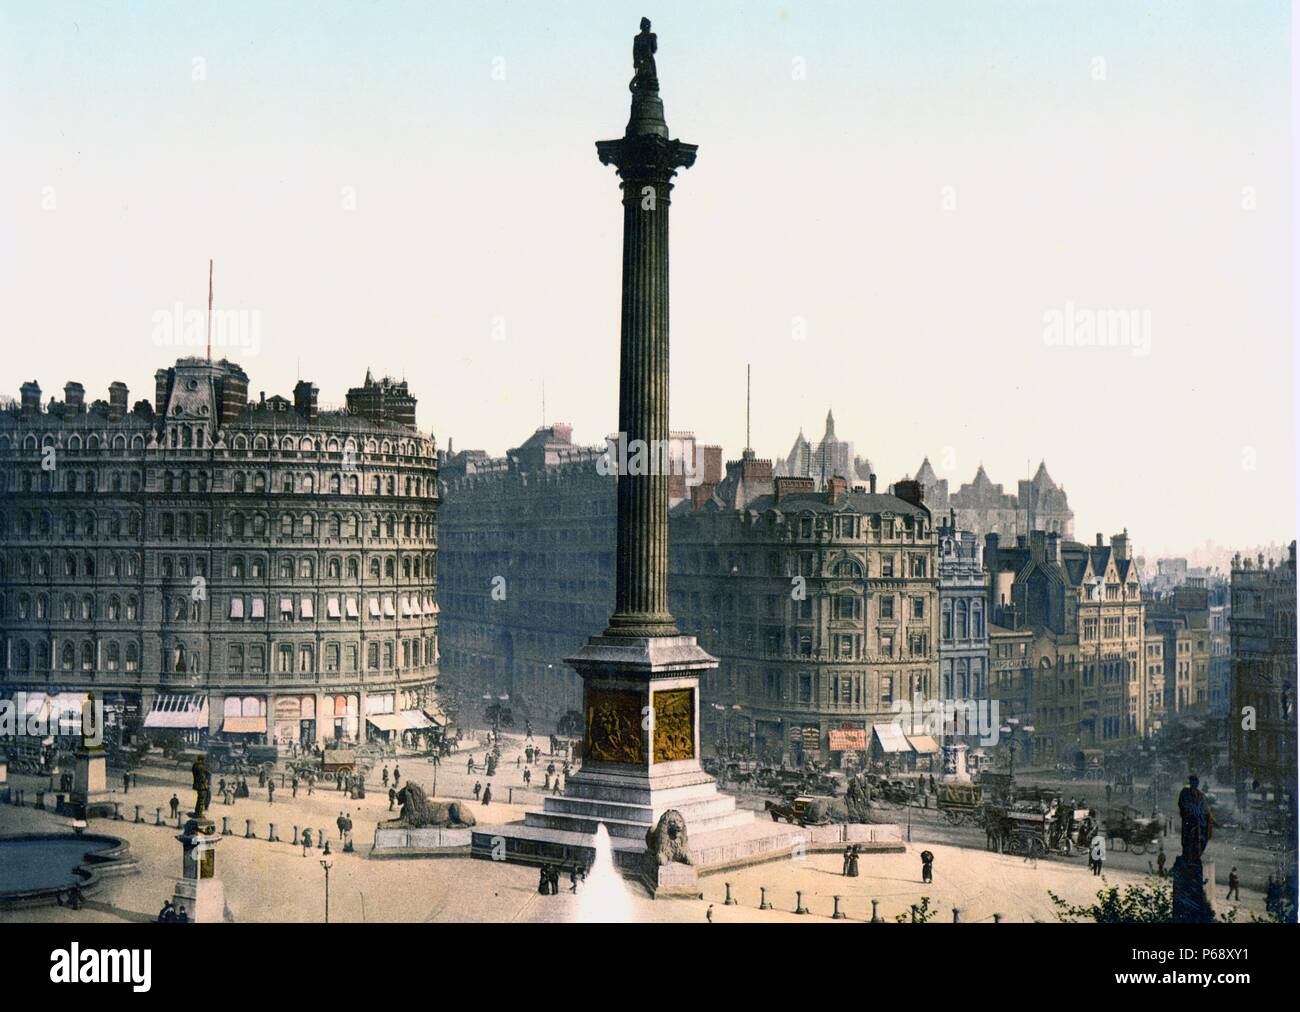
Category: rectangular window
[236,607]
[258,608]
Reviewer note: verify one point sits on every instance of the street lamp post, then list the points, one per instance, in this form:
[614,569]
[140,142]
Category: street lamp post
[327,865]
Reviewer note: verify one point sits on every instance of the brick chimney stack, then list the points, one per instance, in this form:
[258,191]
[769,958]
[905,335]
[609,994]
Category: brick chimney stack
[117,401]
[74,398]
[31,399]
[910,491]
[836,488]
[304,400]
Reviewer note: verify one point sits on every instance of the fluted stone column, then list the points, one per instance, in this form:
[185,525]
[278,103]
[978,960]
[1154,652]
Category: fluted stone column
[646,160]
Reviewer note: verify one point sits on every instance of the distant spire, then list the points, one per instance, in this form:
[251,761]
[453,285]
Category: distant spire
[748,445]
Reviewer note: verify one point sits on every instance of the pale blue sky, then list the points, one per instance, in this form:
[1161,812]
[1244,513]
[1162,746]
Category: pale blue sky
[480,203]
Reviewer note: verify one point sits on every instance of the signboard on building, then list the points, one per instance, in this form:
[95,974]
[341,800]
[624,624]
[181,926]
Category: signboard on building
[848,740]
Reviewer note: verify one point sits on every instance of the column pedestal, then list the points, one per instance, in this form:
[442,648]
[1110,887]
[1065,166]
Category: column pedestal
[199,890]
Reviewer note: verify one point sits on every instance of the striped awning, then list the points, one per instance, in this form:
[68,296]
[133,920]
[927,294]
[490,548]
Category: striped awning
[175,710]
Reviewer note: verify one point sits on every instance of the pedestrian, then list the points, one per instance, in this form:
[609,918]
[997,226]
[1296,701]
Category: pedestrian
[1234,885]
[392,798]
[1098,853]
[927,866]
[306,841]
[295,785]
[384,775]
[555,880]
[528,776]
[519,761]
[854,851]
[175,804]
[270,791]
[544,880]
[932,787]
[1160,862]
[126,783]
[342,824]
[556,789]
[221,786]
[397,775]
[573,879]
[708,914]
[847,856]
[487,794]
[311,786]
[469,764]
[478,789]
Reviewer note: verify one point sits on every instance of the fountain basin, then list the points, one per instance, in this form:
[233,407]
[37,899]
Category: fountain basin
[37,869]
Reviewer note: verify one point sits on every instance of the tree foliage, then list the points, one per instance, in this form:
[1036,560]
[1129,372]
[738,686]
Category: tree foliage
[1150,902]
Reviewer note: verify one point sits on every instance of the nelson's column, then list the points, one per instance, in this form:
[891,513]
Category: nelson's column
[641,748]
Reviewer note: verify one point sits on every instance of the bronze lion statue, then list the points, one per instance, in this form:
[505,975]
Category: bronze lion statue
[418,812]
[666,842]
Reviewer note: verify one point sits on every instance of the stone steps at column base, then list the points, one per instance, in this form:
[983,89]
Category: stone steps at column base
[698,810]
[633,829]
[737,846]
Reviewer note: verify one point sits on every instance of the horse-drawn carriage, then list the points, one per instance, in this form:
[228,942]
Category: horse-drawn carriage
[1136,832]
[1038,826]
[799,811]
[1090,764]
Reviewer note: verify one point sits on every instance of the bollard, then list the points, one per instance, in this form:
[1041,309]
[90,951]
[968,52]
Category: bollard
[248,829]
[321,841]
[839,914]
[179,822]
[270,834]
[875,916]
[956,916]
[729,901]
[157,817]
[799,908]
[225,825]
[997,918]
[117,811]
[763,904]
[138,816]
[295,836]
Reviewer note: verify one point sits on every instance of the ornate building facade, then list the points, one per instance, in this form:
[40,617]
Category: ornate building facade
[963,625]
[1263,628]
[526,571]
[1083,605]
[214,566]
[821,606]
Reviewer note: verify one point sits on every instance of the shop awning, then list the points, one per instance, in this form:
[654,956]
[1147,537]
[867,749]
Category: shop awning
[387,721]
[374,607]
[244,725]
[352,607]
[332,607]
[435,714]
[415,720]
[178,711]
[924,744]
[891,738]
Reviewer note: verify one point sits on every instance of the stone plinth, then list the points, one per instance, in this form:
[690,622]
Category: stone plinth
[1191,899]
[90,796]
[199,890]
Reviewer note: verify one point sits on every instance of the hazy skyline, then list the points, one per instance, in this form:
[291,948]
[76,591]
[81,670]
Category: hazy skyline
[890,202]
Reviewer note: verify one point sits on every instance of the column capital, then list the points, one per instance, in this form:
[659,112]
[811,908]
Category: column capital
[646,156]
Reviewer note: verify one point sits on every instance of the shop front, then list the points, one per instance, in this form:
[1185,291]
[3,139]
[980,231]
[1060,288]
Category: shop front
[340,718]
[182,713]
[295,721]
[243,719]
[383,722]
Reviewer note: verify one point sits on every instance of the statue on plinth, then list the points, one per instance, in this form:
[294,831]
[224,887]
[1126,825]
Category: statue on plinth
[1197,820]
[202,782]
[644,47]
